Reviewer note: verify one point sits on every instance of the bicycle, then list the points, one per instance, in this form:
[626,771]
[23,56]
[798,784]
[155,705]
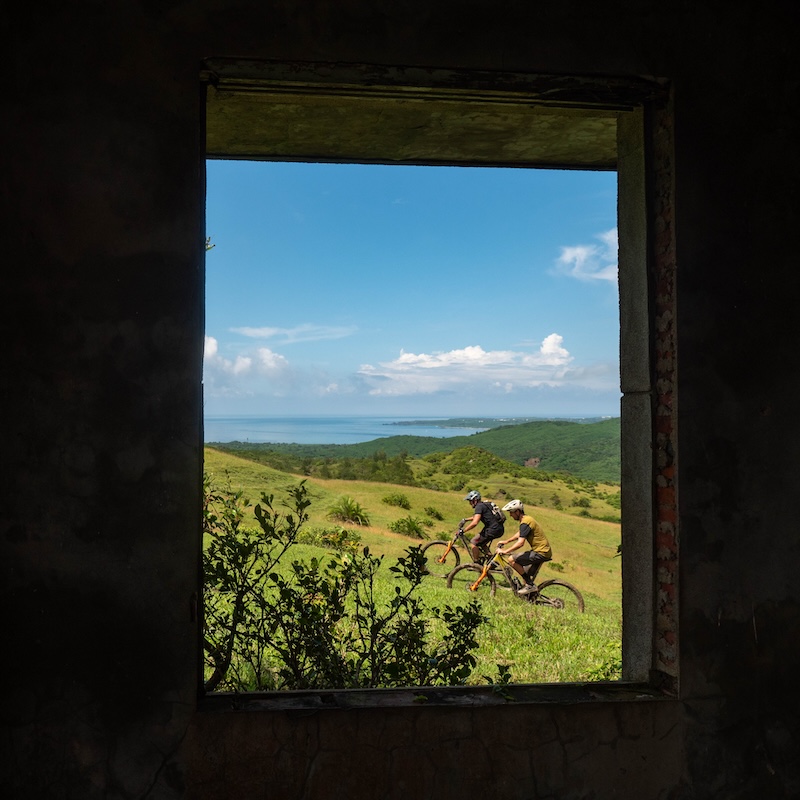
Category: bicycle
[444,556]
[553,593]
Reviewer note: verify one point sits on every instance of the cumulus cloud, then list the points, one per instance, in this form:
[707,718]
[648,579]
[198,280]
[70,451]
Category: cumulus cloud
[212,360]
[475,369]
[468,356]
[590,262]
[259,374]
[264,361]
[244,374]
[306,332]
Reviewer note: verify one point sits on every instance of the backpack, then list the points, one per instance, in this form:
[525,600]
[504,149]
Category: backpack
[499,516]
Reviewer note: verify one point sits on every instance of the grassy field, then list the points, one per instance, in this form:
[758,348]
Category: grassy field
[538,644]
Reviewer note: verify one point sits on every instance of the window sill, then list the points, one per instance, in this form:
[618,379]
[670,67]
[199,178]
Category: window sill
[458,696]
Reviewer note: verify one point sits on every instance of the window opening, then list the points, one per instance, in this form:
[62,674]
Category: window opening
[346,303]
[257,104]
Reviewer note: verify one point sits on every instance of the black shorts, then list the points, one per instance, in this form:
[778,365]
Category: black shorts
[530,561]
[486,535]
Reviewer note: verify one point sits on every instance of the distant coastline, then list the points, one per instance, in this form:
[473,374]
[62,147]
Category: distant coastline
[491,422]
[352,429]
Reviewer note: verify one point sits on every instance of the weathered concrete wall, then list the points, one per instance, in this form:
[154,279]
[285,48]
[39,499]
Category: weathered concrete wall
[102,233]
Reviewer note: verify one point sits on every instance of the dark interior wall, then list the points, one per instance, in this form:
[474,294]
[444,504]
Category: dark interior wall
[102,331]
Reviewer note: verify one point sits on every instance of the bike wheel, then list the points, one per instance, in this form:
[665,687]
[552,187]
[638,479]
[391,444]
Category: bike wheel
[466,575]
[434,552]
[560,595]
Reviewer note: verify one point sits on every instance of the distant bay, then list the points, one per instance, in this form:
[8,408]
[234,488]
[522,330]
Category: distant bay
[326,429]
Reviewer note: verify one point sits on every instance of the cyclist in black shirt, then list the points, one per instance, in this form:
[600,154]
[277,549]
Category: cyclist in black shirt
[492,527]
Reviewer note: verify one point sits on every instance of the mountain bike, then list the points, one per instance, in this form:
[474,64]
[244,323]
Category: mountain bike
[443,557]
[483,578]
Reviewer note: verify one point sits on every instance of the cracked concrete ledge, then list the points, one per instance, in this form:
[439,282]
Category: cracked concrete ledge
[457,696]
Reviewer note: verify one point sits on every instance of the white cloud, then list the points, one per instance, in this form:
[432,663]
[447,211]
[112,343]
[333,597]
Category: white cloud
[268,361]
[588,262]
[213,361]
[469,356]
[306,332]
[551,353]
[473,369]
[244,375]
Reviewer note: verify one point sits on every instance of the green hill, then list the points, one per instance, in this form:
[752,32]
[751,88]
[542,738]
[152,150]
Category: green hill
[585,450]
[587,545]
[572,648]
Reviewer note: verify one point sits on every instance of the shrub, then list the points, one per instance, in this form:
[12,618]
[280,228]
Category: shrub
[410,526]
[582,502]
[337,538]
[315,625]
[614,500]
[433,513]
[397,499]
[348,509]
[237,563]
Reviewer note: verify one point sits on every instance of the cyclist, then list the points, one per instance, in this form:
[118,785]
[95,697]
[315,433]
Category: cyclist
[492,524]
[530,531]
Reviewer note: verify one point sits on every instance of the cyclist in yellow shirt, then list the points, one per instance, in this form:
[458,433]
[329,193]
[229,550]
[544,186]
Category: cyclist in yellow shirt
[530,532]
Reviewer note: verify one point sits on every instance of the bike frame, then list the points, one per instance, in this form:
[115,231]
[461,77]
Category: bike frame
[497,558]
[460,536]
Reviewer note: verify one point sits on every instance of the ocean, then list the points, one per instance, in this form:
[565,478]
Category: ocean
[322,430]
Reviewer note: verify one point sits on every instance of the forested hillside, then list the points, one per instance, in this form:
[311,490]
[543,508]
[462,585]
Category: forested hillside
[590,451]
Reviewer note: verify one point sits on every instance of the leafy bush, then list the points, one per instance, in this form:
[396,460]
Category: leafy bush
[347,509]
[582,502]
[433,513]
[237,561]
[613,499]
[337,538]
[410,526]
[315,625]
[397,499]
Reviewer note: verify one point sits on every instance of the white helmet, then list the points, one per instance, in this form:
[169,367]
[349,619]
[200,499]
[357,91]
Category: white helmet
[514,505]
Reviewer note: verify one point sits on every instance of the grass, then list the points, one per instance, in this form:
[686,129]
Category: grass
[540,645]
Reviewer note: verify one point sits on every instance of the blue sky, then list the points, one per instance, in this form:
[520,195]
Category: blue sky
[410,291]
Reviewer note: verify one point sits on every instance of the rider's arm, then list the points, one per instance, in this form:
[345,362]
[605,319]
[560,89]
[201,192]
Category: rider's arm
[517,543]
[472,523]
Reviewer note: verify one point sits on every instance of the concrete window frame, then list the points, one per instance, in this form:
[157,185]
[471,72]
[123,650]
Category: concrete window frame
[357,113]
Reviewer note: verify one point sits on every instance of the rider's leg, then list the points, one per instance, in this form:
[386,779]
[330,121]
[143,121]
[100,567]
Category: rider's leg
[519,569]
[534,565]
[475,543]
[527,564]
